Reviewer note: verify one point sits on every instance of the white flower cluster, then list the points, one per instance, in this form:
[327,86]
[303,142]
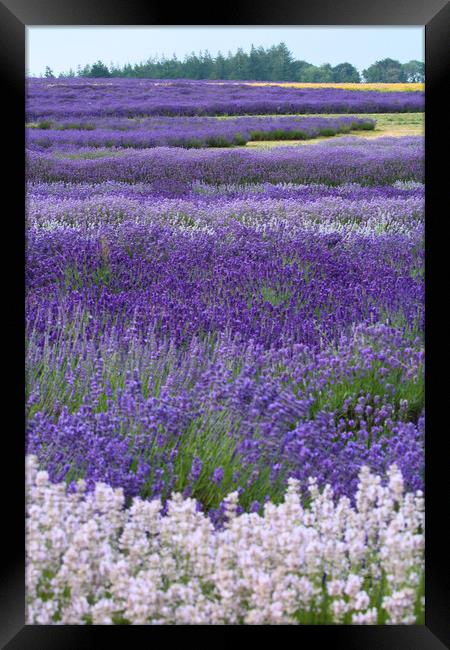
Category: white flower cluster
[90,560]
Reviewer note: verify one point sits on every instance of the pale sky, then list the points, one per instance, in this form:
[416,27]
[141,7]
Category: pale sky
[64,47]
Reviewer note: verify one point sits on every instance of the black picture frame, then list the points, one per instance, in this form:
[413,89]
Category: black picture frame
[15,15]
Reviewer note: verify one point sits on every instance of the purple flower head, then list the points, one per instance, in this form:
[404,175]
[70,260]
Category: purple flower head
[196,469]
[217,476]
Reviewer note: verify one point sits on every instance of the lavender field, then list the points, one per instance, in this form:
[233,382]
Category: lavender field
[225,392]
[92,98]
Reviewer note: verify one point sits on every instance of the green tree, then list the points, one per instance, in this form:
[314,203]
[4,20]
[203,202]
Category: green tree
[385,71]
[414,71]
[326,73]
[48,74]
[311,74]
[240,65]
[191,66]
[66,75]
[345,73]
[298,68]
[281,63]
[84,72]
[127,70]
[273,64]
[220,71]
[99,69]
[206,65]
[257,63]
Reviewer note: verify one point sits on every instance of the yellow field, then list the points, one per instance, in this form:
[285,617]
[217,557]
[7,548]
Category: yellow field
[382,87]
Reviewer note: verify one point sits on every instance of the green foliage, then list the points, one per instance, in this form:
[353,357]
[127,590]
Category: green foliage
[345,73]
[327,131]
[275,63]
[45,124]
[98,69]
[385,71]
[76,126]
[239,139]
[217,141]
[274,297]
[118,619]
[298,134]
[76,279]
[414,71]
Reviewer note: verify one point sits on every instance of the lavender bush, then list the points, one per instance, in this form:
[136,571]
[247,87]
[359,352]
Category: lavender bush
[90,560]
[173,170]
[190,132]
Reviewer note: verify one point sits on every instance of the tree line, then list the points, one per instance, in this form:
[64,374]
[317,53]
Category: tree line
[275,63]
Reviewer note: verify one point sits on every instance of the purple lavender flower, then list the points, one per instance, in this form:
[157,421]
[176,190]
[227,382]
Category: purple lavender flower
[196,469]
[217,475]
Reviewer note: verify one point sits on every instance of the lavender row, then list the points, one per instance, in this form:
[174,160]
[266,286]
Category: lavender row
[142,565]
[221,415]
[137,97]
[137,124]
[196,132]
[206,193]
[375,162]
[270,284]
[364,211]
